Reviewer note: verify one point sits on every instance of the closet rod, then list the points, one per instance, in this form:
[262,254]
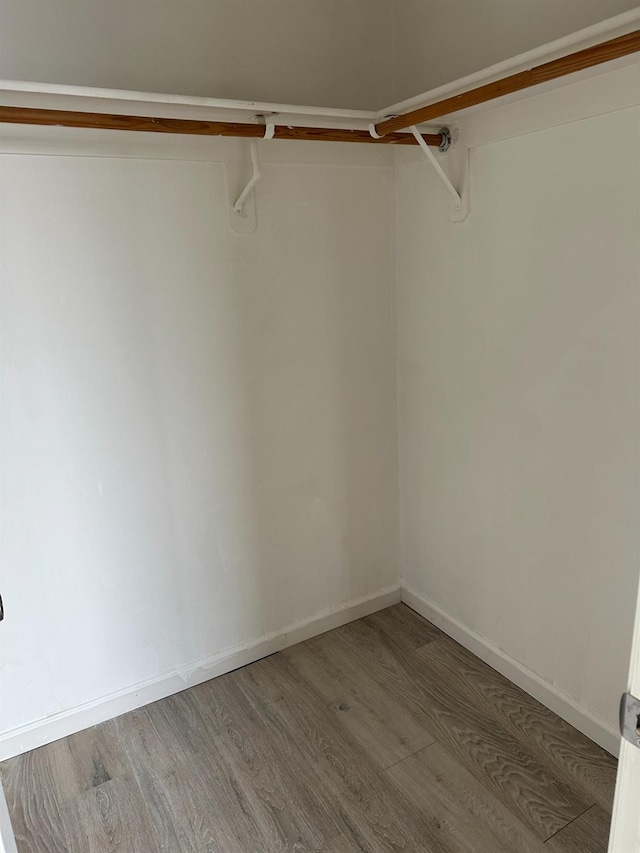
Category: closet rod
[146,124]
[578,61]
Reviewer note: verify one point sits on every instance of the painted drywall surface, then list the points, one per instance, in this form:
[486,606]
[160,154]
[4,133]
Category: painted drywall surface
[438,41]
[321,52]
[518,400]
[198,434]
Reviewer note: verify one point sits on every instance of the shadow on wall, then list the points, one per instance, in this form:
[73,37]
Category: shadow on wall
[198,428]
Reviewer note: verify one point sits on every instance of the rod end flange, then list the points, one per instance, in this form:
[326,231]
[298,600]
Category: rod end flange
[447,140]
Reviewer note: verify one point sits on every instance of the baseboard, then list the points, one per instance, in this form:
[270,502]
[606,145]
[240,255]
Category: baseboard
[74,720]
[561,703]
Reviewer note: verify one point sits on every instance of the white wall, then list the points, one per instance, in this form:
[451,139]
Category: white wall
[319,52]
[518,400]
[438,41]
[198,433]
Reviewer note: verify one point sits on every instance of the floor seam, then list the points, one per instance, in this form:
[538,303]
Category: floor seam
[400,760]
[427,644]
[573,820]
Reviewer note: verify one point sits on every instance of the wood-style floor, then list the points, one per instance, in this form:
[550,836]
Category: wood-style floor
[383,735]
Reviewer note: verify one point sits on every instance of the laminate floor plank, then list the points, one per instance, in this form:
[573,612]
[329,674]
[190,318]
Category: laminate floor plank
[95,756]
[31,788]
[403,627]
[572,757]
[211,824]
[270,766]
[377,816]
[472,818]
[589,833]
[538,798]
[157,771]
[80,761]
[370,713]
[326,747]
[220,816]
[109,818]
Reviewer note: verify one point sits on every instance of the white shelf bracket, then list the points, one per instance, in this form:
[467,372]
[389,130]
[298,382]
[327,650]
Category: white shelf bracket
[242,214]
[256,174]
[460,203]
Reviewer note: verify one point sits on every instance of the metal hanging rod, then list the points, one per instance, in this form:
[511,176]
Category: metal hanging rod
[193,127]
[570,64]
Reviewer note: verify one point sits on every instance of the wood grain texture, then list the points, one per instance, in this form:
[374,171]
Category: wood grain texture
[109,818]
[509,770]
[386,731]
[266,759]
[587,834]
[372,814]
[193,127]
[31,791]
[468,815]
[218,811]
[269,768]
[87,759]
[156,768]
[575,759]
[573,62]
[402,627]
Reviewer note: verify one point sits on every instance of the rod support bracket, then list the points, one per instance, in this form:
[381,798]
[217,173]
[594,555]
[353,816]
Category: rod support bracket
[447,140]
[372,128]
[460,199]
[256,174]
[238,207]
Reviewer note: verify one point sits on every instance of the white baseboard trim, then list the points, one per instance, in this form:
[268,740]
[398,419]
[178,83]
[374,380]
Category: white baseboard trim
[561,703]
[74,720]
